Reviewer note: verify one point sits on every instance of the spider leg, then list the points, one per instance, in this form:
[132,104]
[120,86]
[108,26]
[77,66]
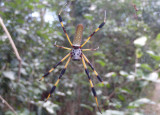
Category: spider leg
[46,74]
[90,49]
[92,87]
[98,77]
[62,47]
[100,26]
[60,76]
[64,30]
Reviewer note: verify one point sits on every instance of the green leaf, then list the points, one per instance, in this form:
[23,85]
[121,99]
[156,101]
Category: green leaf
[158,37]
[139,53]
[9,113]
[152,77]
[88,17]
[118,106]
[131,107]
[102,63]
[140,72]
[49,106]
[153,55]
[123,73]
[121,97]
[108,85]
[36,0]
[146,66]
[43,87]
[40,6]
[99,54]
[21,21]
[111,74]
[125,90]
[100,85]
[86,106]
[111,112]
[140,102]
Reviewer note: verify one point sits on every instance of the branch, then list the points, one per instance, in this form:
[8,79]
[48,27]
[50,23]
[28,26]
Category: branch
[10,107]
[157,71]
[136,10]
[14,48]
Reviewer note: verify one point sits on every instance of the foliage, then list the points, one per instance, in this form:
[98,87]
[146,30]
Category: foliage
[127,60]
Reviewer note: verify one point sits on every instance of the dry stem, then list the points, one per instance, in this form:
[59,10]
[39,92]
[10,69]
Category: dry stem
[9,106]
[14,48]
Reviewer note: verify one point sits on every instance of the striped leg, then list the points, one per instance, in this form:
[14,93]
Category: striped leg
[98,77]
[60,76]
[100,26]
[60,19]
[90,49]
[61,47]
[92,87]
[46,74]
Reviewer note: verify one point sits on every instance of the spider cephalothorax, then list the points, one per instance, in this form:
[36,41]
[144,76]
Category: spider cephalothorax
[76,54]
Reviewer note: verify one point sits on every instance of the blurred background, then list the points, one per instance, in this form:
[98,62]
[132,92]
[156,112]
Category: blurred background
[128,58]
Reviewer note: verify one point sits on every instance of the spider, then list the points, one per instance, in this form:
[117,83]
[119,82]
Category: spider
[76,55]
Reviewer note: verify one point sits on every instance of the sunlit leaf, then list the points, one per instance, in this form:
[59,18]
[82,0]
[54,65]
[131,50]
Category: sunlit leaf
[131,77]
[125,90]
[123,73]
[140,41]
[112,112]
[22,31]
[60,93]
[9,74]
[50,107]
[110,74]
[140,102]
[23,71]
[152,77]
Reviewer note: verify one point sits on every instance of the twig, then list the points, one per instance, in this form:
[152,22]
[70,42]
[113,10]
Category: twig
[136,10]
[157,71]
[10,107]
[14,48]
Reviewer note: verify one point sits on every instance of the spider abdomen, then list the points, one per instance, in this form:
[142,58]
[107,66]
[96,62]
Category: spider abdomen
[78,35]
